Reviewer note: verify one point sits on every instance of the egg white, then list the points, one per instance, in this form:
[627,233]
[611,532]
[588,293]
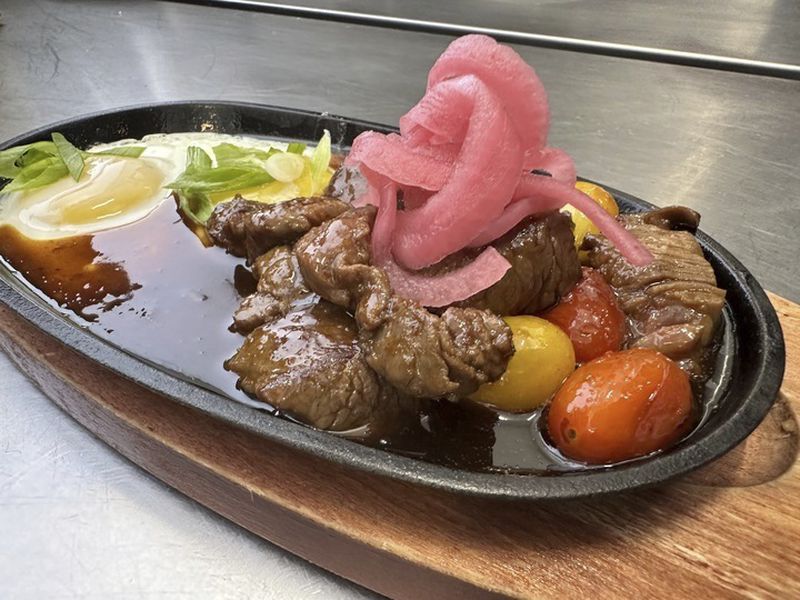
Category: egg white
[113,191]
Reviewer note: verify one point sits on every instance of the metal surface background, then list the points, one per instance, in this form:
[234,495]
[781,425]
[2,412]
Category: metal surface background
[764,30]
[75,520]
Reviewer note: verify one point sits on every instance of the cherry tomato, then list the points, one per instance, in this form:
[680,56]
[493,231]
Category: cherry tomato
[543,357]
[589,315]
[620,406]
[583,225]
[599,195]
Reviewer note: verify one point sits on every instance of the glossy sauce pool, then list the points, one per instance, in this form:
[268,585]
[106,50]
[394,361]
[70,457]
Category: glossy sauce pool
[154,290]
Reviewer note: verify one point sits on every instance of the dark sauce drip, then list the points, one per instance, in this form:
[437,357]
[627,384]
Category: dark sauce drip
[70,271]
[150,288]
[153,289]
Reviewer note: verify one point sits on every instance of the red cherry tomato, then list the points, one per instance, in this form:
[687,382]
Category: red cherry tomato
[590,316]
[620,406]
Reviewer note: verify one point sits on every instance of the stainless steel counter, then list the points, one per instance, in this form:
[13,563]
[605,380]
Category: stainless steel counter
[764,30]
[723,143]
[75,519]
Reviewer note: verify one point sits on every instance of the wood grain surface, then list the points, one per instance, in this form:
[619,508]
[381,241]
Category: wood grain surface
[731,529]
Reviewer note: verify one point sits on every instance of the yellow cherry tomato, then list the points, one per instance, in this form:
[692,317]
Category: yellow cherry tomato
[542,360]
[599,195]
[583,226]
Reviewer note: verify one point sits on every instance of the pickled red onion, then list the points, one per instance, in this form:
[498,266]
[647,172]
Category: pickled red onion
[556,162]
[430,290]
[508,75]
[461,161]
[389,157]
[477,188]
[539,194]
[514,214]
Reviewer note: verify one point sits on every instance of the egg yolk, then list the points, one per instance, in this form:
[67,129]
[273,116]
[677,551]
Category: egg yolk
[110,189]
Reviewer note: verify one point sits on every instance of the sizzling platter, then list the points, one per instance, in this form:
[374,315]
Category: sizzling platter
[745,378]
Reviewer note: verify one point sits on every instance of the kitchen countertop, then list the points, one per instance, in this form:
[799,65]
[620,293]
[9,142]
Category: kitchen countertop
[76,519]
[763,30]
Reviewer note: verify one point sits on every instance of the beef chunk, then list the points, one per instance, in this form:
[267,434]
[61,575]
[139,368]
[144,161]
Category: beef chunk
[334,258]
[672,304]
[544,267]
[310,365]
[544,262]
[302,354]
[248,228]
[347,184]
[227,224]
[430,356]
[280,290]
[419,353]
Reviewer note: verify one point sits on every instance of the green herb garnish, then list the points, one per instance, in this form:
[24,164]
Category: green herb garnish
[14,160]
[320,161]
[237,169]
[233,168]
[128,151]
[72,157]
[42,172]
[41,163]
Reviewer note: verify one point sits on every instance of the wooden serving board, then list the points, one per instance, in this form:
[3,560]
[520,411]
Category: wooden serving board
[731,529]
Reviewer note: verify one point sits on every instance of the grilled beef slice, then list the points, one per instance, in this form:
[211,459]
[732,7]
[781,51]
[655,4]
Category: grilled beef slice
[673,304]
[280,290]
[419,353]
[310,365]
[544,267]
[301,354]
[248,228]
[347,184]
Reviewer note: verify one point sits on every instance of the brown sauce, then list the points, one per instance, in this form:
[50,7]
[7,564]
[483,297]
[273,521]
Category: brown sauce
[150,288]
[154,290]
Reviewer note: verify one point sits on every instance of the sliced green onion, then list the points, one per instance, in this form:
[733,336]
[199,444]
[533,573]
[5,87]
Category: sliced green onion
[197,158]
[232,155]
[196,206]
[13,160]
[285,167]
[70,155]
[129,151]
[223,179]
[320,161]
[38,174]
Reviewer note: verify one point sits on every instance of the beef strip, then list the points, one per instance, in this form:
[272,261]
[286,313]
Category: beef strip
[280,290]
[673,304]
[419,353]
[347,184]
[310,365]
[544,267]
[248,228]
[301,354]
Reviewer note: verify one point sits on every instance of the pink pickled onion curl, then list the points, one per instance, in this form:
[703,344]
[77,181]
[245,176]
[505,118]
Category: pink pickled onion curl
[430,290]
[461,168]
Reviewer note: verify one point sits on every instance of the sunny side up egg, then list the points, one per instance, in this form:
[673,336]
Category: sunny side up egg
[113,191]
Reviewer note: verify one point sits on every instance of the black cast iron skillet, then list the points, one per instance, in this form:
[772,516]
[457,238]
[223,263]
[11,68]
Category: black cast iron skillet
[750,389]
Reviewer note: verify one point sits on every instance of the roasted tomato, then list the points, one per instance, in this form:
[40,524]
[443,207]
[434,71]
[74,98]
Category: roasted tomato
[583,225]
[543,357]
[589,315]
[620,406]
